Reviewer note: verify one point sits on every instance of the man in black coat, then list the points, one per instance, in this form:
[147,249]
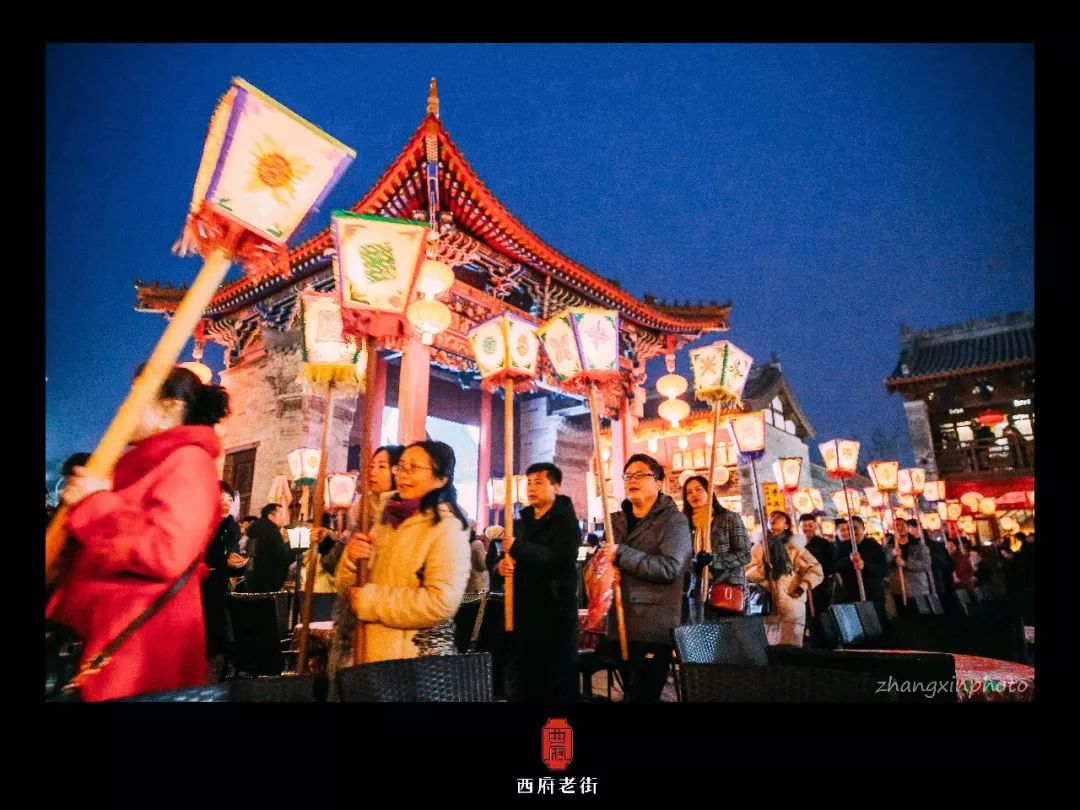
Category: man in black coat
[270,554]
[870,559]
[543,661]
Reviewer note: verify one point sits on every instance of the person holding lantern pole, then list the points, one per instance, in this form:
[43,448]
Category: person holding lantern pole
[652,551]
[137,542]
[730,543]
[795,571]
[870,559]
[912,561]
[542,558]
[420,560]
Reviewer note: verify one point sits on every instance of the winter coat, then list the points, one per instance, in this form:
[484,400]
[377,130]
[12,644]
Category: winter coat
[215,588]
[417,578]
[790,611]
[131,544]
[875,569]
[918,574]
[825,552]
[651,558]
[545,574]
[730,547]
[270,557]
[478,574]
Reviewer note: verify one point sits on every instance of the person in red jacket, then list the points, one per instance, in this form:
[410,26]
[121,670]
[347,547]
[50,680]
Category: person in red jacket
[135,536]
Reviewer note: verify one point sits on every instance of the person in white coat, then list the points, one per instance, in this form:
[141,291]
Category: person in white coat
[796,572]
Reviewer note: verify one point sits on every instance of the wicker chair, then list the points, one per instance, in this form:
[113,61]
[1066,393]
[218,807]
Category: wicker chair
[739,640]
[871,623]
[927,604]
[281,689]
[432,679]
[726,683]
[848,625]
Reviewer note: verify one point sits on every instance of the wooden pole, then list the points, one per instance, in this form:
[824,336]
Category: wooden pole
[143,391]
[854,546]
[896,544]
[706,540]
[766,557]
[366,449]
[508,507]
[313,547]
[609,534]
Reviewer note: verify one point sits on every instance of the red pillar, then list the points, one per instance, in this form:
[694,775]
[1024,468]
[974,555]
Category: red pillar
[413,392]
[484,473]
[378,393]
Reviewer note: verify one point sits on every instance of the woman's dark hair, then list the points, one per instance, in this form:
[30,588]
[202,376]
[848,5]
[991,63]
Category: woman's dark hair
[687,509]
[443,462]
[226,489]
[784,515]
[203,404]
[394,451]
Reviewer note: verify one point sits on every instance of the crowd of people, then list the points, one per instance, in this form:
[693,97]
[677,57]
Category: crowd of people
[162,543]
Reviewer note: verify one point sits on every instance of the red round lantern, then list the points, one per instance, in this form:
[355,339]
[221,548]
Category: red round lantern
[990,418]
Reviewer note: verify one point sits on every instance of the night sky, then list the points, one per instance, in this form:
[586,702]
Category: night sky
[833,192]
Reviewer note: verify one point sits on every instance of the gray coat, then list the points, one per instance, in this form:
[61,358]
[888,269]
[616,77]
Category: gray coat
[652,560]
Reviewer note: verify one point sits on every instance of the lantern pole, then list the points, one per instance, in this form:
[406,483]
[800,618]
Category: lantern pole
[609,534]
[313,548]
[706,540]
[143,392]
[900,570]
[508,505]
[851,528]
[766,557]
[366,516]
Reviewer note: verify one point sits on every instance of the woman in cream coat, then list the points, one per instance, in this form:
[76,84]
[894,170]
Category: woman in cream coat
[418,554]
[796,571]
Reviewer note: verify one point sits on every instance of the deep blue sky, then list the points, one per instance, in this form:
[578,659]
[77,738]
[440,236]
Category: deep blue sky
[833,192]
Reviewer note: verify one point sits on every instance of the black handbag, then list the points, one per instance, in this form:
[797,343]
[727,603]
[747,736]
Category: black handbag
[758,600]
[63,648]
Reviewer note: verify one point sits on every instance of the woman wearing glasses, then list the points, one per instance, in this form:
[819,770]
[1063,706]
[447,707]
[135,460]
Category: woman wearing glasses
[419,557]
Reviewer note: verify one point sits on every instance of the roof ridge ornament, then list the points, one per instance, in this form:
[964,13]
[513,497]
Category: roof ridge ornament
[433,98]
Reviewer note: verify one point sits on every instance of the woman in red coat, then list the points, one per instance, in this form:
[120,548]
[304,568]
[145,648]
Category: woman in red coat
[134,537]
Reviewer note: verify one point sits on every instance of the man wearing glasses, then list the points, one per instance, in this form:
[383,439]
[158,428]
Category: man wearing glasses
[652,552]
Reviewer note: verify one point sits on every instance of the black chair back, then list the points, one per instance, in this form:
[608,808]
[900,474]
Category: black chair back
[736,640]
[281,689]
[260,625]
[432,679]
[848,625]
[726,683]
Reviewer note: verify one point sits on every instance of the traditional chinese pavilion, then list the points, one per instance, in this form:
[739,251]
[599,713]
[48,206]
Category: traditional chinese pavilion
[499,265]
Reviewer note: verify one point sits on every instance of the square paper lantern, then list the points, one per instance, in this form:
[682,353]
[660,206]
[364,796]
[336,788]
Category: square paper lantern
[912,481]
[720,371]
[954,510]
[378,261]
[328,355]
[583,345]
[803,503]
[818,499]
[841,502]
[299,536]
[340,490]
[304,465]
[265,167]
[971,500]
[884,474]
[907,501]
[934,491]
[943,510]
[874,497]
[966,524]
[828,528]
[841,457]
[787,471]
[521,489]
[748,433]
[505,348]
[497,491]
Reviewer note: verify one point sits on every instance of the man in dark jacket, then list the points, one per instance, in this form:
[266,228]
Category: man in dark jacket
[824,552]
[224,561]
[652,552]
[542,558]
[270,554]
[870,559]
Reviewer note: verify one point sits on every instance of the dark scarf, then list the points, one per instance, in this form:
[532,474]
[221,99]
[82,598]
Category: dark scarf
[778,552]
[397,511]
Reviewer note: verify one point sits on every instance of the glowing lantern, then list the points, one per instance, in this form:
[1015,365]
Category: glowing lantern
[505,348]
[304,465]
[841,457]
[787,472]
[674,410]
[988,507]
[802,502]
[748,434]
[720,371]
[874,497]
[934,491]
[884,474]
[340,490]
[912,481]
[583,345]
[954,510]
[971,500]
[990,418]
[931,521]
